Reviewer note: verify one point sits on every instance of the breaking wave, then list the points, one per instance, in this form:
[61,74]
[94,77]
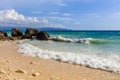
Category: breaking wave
[82,40]
[109,62]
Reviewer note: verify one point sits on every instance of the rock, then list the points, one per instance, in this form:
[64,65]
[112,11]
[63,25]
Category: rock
[3,35]
[16,32]
[27,36]
[31,31]
[36,74]
[15,38]
[20,71]
[8,38]
[43,35]
[32,62]
[8,61]
[15,79]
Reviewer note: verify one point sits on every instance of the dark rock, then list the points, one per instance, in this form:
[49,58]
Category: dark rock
[16,32]
[9,38]
[3,35]
[26,36]
[43,35]
[31,31]
[15,38]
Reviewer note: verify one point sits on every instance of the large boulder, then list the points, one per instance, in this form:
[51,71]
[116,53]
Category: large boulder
[3,35]
[27,36]
[43,35]
[16,32]
[31,32]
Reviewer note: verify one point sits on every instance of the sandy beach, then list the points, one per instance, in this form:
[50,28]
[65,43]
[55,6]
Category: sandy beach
[15,66]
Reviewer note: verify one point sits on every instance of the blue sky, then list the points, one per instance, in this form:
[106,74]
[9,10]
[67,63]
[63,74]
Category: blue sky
[71,14]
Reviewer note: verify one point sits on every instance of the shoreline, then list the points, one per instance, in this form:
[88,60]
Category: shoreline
[89,60]
[35,68]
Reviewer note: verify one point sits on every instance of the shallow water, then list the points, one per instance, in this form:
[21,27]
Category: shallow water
[82,42]
[94,49]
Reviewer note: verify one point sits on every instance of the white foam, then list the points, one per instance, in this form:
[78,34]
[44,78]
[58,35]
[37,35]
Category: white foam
[59,38]
[109,63]
[63,39]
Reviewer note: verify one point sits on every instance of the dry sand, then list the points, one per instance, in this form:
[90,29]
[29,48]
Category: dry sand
[15,66]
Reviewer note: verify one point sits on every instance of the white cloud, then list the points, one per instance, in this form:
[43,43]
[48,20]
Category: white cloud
[37,12]
[60,18]
[111,16]
[7,15]
[51,24]
[54,12]
[11,18]
[94,15]
[44,21]
[67,14]
[57,2]
[115,14]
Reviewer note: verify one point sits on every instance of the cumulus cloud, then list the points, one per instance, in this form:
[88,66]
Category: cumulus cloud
[7,15]
[11,18]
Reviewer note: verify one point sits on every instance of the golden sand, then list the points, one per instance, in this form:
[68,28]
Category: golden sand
[15,66]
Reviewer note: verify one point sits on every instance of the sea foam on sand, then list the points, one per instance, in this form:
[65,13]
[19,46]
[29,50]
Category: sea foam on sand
[109,63]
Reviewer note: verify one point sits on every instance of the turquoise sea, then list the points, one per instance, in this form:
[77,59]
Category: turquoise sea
[100,42]
[95,49]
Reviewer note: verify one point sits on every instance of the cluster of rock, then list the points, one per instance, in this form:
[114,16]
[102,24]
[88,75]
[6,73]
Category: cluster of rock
[30,33]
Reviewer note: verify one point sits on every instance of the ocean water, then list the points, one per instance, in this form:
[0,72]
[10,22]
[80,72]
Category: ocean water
[95,42]
[94,49]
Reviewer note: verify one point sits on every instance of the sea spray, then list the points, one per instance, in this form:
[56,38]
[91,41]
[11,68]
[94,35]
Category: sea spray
[59,38]
[109,63]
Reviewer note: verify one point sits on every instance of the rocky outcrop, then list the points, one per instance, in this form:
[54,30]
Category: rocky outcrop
[27,36]
[3,35]
[31,32]
[34,33]
[43,35]
[16,32]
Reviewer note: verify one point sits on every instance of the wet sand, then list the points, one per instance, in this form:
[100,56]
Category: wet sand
[16,66]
